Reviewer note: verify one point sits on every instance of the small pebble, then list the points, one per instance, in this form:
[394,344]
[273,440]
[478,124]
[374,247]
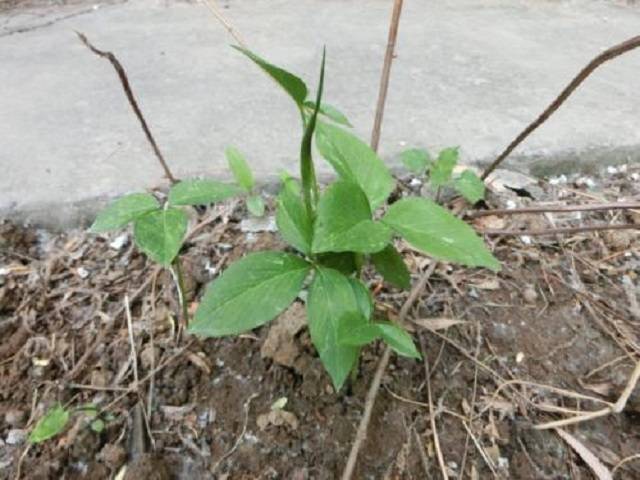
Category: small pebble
[120,241]
[82,272]
[530,295]
[17,436]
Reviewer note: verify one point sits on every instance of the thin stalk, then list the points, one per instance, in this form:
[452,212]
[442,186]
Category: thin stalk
[126,86]
[601,58]
[307,169]
[177,267]
[386,72]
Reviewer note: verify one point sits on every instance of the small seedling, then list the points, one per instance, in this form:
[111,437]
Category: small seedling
[439,173]
[243,175]
[335,233]
[159,229]
[58,417]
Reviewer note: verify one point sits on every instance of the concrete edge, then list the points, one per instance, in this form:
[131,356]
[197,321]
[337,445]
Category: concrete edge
[66,215]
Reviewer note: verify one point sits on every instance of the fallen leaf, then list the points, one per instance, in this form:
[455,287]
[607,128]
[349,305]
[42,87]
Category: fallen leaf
[280,345]
[604,388]
[594,463]
[438,323]
[277,418]
[489,284]
[490,222]
[199,361]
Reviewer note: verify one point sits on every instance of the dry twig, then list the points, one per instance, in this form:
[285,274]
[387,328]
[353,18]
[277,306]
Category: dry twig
[617,407]
[124,80]
[215,11]
[386,71]
[240,436]
[593,207]
[132,342]
[361,434]
[603,57]
[432,412]
[559,230]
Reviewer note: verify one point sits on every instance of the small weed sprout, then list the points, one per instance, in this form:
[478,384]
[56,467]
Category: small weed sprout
[243,175]
[335,232]
[57,418]
[439,173]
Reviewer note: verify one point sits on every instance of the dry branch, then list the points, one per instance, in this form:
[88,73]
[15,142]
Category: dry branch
[124,80]
[603,57]
[559,230]
[386,71]
[594,207]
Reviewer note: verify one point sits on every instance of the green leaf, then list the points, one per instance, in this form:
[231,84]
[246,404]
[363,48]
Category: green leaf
[343,222]
[292,84]
[363,297]
[159,234]
[357,332]
[307,168]
[255,205]
[292,219]
[398,339]
[330,112]
[249,293]
[123,211]
[97,425]
[240,168]
[344,262]
[50,425]
[200,191]
[435,231]
[391,266]
[331,304]
[354,160]
[417,160]
[469,185]
[443,167]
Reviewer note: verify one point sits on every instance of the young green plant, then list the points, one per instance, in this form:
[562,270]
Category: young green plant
[57,418]
[159,229]
[244,177]
[333,233]
[439,172]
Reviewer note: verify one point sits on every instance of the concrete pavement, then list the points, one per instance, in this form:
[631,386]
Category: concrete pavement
[468,72]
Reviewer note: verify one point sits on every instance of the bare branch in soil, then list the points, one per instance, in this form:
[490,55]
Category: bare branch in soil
[603,57]
[240,436]
[124,80]
[617,407]
[361,434]
[594,207]
[554,231]
[432,412]
[386,71]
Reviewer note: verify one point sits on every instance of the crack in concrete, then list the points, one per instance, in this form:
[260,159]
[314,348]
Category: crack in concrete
[48,23]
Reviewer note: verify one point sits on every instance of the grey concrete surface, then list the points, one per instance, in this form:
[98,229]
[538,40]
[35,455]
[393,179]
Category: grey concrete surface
[468,72]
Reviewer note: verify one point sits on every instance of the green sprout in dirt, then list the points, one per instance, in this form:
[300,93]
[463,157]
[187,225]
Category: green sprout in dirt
[159,229]
[439,172]
[335,233]
[243,175]
[57,418]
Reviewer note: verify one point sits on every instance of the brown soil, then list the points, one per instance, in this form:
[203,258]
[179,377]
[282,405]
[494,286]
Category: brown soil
[557,315]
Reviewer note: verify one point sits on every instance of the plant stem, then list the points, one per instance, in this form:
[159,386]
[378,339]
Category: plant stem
[307,169]
[177,265]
